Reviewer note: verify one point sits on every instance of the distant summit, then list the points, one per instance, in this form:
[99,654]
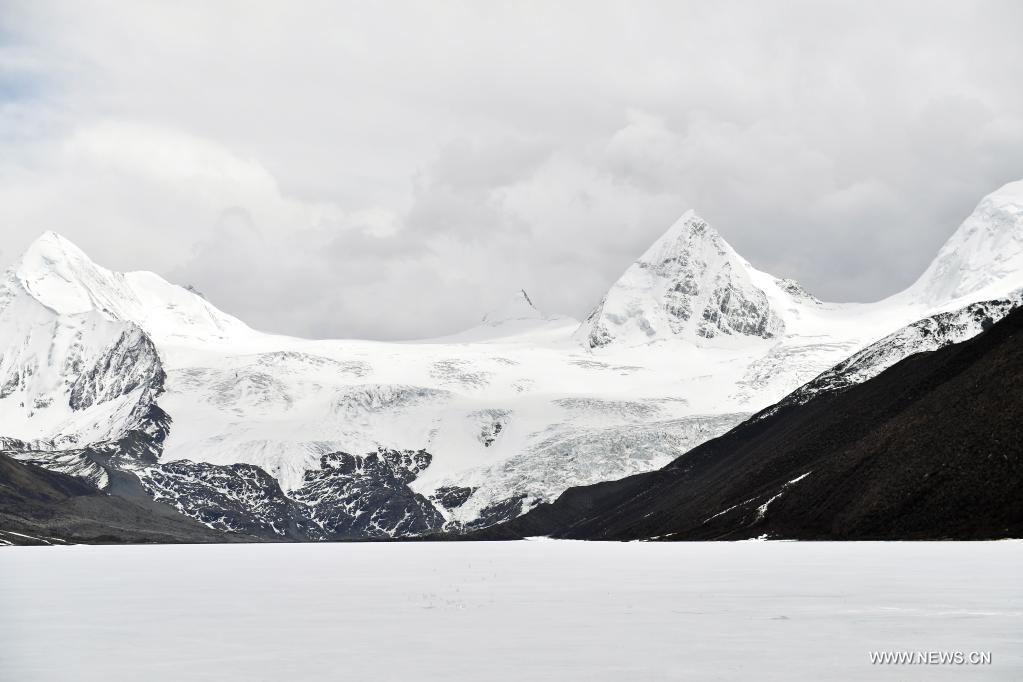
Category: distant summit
[984,257]
[517,307]
[61,277]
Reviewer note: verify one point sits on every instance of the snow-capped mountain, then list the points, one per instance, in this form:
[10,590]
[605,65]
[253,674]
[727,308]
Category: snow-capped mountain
[145,388]
[981,256]
[689,284]
[59,276]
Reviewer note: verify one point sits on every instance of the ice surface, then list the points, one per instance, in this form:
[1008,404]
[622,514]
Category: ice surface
[543,610]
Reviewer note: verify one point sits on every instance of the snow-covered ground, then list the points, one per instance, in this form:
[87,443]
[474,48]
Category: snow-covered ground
[544,610]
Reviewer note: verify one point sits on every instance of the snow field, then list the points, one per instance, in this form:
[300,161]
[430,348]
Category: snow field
[540,610]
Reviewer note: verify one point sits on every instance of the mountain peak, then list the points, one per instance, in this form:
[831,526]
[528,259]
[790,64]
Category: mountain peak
[1011,191]
[688,235]
[51,248]
[49,239]
[689,284]
[984,257]
[61,277]
[58,274]
[517,307]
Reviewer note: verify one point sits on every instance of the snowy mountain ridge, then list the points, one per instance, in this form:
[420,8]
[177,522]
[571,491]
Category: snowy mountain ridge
[126,379]
[59,275]
[984,253]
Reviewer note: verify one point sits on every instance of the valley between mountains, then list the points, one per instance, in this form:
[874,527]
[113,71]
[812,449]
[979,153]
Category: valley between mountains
[125,389]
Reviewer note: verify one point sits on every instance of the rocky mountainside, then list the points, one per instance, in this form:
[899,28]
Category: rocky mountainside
[41,507]
[930,333]
[348,497]
[146,390]
[927,449]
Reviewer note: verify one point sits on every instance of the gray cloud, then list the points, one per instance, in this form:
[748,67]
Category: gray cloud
[392,172]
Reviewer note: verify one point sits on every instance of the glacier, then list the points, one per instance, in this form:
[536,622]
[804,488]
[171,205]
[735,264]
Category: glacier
[144,387]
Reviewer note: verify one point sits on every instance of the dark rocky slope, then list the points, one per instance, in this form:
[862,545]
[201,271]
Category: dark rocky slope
[931,448]
[38,506]
[348,497]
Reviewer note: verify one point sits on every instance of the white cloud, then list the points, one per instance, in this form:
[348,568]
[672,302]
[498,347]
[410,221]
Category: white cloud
[393,171]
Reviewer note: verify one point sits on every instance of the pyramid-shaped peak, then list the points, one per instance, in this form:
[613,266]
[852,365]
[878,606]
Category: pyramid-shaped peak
[51,237]
[58,274]
[690,235]
[689,284]
[689,225]
[517,307]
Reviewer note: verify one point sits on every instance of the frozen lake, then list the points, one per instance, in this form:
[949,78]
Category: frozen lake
[517,611]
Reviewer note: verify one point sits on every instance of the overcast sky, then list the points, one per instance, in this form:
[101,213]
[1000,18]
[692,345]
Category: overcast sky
[387,171]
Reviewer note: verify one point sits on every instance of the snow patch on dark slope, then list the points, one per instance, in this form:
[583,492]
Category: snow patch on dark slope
[238,498]
[359,496]
[928,334]
[348,497]
[79,463]
[38,506]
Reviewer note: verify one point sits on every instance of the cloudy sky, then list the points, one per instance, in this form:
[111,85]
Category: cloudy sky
[390,170]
